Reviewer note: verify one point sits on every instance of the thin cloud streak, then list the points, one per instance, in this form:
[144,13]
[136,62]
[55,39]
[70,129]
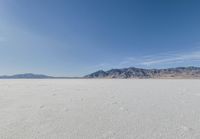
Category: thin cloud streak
[2,39]
[153,61]
[160,59]
[173,59]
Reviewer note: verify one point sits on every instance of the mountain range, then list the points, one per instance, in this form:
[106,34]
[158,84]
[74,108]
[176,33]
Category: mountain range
[26,76]
[132,72]
[124,73]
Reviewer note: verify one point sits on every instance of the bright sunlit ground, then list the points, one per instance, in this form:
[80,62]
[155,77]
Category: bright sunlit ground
[98,109]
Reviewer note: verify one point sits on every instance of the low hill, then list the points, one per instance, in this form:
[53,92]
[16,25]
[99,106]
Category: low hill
[26,76]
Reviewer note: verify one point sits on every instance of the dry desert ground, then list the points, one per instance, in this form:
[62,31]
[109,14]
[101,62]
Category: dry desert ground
[99,109]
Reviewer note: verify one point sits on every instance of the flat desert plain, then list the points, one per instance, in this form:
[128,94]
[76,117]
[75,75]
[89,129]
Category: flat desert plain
[99,109]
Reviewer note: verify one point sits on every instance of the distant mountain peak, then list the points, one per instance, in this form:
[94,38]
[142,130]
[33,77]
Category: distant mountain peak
[133,72]
[25,76]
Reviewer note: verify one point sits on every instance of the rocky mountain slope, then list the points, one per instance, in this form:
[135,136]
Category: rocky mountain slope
[132,72]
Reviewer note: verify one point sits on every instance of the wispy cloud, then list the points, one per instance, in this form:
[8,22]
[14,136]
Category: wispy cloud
[162,59]
[166,59]
[101,66]
[173,58]
[2,39]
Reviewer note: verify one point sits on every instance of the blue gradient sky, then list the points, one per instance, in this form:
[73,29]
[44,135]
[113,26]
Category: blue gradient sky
[76,37]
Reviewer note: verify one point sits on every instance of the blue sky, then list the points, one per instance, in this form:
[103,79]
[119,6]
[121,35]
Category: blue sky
[76,37]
